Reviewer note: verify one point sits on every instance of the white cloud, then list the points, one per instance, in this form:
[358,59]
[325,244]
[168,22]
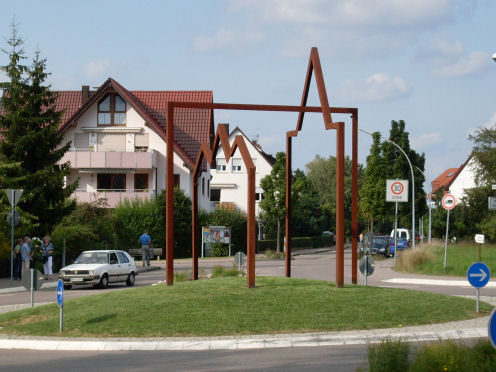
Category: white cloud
[491,123]
[380,13]
[474,63]
[96,68]
[427,140]
[378,87]
[226,39]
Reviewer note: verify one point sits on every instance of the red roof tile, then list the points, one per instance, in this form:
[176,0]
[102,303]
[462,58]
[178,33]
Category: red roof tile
[444,180]
[192,126]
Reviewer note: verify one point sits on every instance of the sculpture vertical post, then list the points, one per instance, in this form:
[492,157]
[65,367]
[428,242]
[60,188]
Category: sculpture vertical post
[340,206]
[250,229]
[194,227]
[289,155]
[354,196]
[169,204]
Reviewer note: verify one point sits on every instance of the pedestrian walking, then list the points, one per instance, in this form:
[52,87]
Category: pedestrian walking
[46,250]
[18,260]
[146,243]
[26,254]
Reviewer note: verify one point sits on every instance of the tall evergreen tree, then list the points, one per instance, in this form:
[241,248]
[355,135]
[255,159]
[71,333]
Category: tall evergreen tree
[273,204]
[398,167]
[372,202]
[29,123]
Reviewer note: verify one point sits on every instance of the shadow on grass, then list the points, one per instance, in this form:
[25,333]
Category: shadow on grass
[101,318]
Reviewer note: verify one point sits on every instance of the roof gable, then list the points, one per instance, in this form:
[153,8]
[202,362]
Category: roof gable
[192,126]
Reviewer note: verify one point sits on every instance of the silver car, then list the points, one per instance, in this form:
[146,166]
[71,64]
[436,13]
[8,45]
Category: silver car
[99,268]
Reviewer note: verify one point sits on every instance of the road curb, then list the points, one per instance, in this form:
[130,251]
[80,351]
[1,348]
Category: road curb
[240,343]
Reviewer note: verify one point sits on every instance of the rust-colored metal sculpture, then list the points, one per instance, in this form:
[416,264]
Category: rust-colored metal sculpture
[314,66]
[208,154]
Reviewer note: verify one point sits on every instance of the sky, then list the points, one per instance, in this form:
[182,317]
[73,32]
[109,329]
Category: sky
[425,62]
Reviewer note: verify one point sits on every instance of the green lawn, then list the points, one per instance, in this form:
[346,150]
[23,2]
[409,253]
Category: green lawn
[225,306]
[459,257]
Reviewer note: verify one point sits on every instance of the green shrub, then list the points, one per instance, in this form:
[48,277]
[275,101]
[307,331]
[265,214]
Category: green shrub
[389,356]
[435,356]
[219,271]
[219,250]
[182,276]
[233,271]
[301,242]
[274,255]
[322,241]
[132,217]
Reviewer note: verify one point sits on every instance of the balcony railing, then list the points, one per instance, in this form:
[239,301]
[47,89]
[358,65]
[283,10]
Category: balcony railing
[111,159]
[112,197]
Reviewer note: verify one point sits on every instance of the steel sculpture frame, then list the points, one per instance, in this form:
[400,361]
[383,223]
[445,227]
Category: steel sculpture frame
[314,67]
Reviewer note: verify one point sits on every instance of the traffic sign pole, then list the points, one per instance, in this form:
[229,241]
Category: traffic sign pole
[60,302]
[446,240]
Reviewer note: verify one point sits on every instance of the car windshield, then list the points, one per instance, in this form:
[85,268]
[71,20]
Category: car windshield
[379,241]
[92,258]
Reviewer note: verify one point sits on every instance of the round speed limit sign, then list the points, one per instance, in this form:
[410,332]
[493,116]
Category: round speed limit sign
[397,188]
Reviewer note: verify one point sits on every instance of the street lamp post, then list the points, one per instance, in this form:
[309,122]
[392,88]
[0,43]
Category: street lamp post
[413,181]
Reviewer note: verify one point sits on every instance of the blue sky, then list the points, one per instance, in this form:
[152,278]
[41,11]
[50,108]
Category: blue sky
[426,62]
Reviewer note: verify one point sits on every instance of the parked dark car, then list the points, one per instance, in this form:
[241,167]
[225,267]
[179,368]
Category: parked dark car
[401,244]
[380,245]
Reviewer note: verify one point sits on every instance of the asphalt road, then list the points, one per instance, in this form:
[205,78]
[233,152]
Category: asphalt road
[324,358]
[319,266]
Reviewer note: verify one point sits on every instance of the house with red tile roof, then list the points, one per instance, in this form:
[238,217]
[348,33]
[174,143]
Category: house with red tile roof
[118,141]
[229,184]
[457,181]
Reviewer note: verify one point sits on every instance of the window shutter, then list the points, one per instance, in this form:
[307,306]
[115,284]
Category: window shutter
[111,142]
[141,140]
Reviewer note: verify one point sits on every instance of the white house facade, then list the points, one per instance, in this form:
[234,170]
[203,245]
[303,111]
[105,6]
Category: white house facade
[229,182]
[118,147]
[464,179]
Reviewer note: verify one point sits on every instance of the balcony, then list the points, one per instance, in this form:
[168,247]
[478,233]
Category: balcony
[111,159]
[113,197]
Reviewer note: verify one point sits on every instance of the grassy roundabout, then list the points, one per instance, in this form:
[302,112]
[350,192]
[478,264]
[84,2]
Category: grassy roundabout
[225,306]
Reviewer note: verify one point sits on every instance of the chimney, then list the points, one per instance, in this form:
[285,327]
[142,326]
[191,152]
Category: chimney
[85,93]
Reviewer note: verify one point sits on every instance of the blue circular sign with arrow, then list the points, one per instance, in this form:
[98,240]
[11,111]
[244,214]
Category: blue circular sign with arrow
[491,328]
[478,274]
[60,293]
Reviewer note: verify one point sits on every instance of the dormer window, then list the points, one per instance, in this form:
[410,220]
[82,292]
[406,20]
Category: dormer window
[112,110]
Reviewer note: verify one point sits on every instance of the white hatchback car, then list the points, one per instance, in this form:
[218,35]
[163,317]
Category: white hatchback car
[99,268]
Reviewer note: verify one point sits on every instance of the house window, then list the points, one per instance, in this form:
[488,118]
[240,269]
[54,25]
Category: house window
[140,181]
[111,182]
[176,180]
[141,142]
[258,196]
[203,186]
[112,110]
[236,165]
[221,165]
[208,188]
[215,195]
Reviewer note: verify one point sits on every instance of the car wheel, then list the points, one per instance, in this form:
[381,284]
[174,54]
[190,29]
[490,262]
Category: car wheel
[104,281]
[130,280]
[67,286]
